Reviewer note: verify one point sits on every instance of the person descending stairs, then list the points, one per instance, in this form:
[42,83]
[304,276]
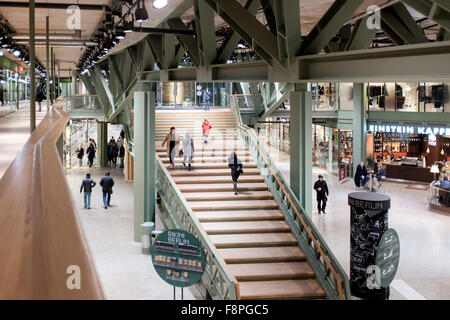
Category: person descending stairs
[248,230]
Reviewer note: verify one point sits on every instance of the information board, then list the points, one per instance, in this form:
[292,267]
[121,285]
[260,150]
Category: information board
[178,258]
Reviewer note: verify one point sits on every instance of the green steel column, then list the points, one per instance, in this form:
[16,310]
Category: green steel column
[102,147]
[47,62]
[301,146]
[32,68]
[52,76]
[17,90]
[359,125]
[144,160]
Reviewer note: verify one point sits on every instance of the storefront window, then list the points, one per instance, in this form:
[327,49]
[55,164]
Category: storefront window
[324,96]
[408,97]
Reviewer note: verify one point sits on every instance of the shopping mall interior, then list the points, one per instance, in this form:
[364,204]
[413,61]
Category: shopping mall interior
[218,122]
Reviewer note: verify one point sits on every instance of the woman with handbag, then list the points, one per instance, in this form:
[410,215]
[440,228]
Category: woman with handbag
[236,170]
[172,140]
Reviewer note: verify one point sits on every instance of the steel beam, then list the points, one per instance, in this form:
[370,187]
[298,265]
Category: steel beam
[206,32]
[144,160]
[398,23]
[432,10]
[361,36]
[301,146]
[188,42]
[418,62]
[359,125]
[233,38]
[32,67]
[339,12]
[248,27]
[287,16]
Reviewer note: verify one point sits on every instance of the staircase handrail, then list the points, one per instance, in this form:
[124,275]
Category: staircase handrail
[217,277]
[320,249]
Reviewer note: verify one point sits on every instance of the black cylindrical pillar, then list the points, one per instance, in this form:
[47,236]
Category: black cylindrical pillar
[369,220]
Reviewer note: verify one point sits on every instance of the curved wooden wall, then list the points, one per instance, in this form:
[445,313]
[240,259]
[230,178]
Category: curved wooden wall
[40,233]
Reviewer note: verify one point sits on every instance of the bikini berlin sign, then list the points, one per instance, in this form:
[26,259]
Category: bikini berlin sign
[443,131]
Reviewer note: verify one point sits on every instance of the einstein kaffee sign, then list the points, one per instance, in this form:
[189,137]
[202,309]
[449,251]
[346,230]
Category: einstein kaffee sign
[405,129]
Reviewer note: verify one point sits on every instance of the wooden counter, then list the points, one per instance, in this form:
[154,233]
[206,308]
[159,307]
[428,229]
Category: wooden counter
[419,174]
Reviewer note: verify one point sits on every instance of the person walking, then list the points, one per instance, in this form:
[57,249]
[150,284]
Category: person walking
[2,94]
[236,170]
[115,153]
[361,176]
[206,127]
[187,146]
[122,155]
[322,192]
[80,154]
[40,96]
[107,184]
[110,154]
[172,141]
[207,98]
[87,186]
[91,154]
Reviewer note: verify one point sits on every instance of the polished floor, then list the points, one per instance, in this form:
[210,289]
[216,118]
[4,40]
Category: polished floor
[424,234]
[14,132]
[125,273]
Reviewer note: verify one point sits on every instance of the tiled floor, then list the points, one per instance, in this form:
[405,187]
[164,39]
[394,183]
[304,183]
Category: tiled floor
[424,234]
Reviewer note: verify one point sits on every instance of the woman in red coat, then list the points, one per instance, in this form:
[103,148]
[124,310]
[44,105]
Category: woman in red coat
[206,130]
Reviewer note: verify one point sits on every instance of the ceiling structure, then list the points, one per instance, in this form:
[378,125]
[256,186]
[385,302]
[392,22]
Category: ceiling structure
[69,46]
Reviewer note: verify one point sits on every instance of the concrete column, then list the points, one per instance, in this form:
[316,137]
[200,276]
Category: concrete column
[144,160]
[74,83]
[301,146]
[102,146]
[359,124]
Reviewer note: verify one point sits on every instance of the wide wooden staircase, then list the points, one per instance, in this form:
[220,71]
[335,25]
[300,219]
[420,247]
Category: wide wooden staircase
[248,230]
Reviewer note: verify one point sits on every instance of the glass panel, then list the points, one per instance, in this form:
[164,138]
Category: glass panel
[324,96]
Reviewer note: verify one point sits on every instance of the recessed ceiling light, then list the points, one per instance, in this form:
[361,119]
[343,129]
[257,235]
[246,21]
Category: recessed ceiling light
[159,4]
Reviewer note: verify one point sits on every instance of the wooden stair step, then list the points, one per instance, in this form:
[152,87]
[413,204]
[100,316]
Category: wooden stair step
[226,195]
[237,215]
[245,227]
[233,205]
[223,165]
[218,179]
[281,289]
[253,240]
[222,187]
[205,148]
[271,271]
[210,172]
[198,159]
[262,254]
[201,153]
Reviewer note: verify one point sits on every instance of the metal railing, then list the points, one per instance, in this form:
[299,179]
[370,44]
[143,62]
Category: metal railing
[42,244]
[218,281]
[329,272]
[82,103]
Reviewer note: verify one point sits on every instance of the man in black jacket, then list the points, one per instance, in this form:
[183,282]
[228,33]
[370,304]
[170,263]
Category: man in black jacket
[107,184]
[322,192]
[87,185]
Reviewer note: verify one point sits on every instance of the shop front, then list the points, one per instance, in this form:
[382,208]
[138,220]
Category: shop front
[409,152]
